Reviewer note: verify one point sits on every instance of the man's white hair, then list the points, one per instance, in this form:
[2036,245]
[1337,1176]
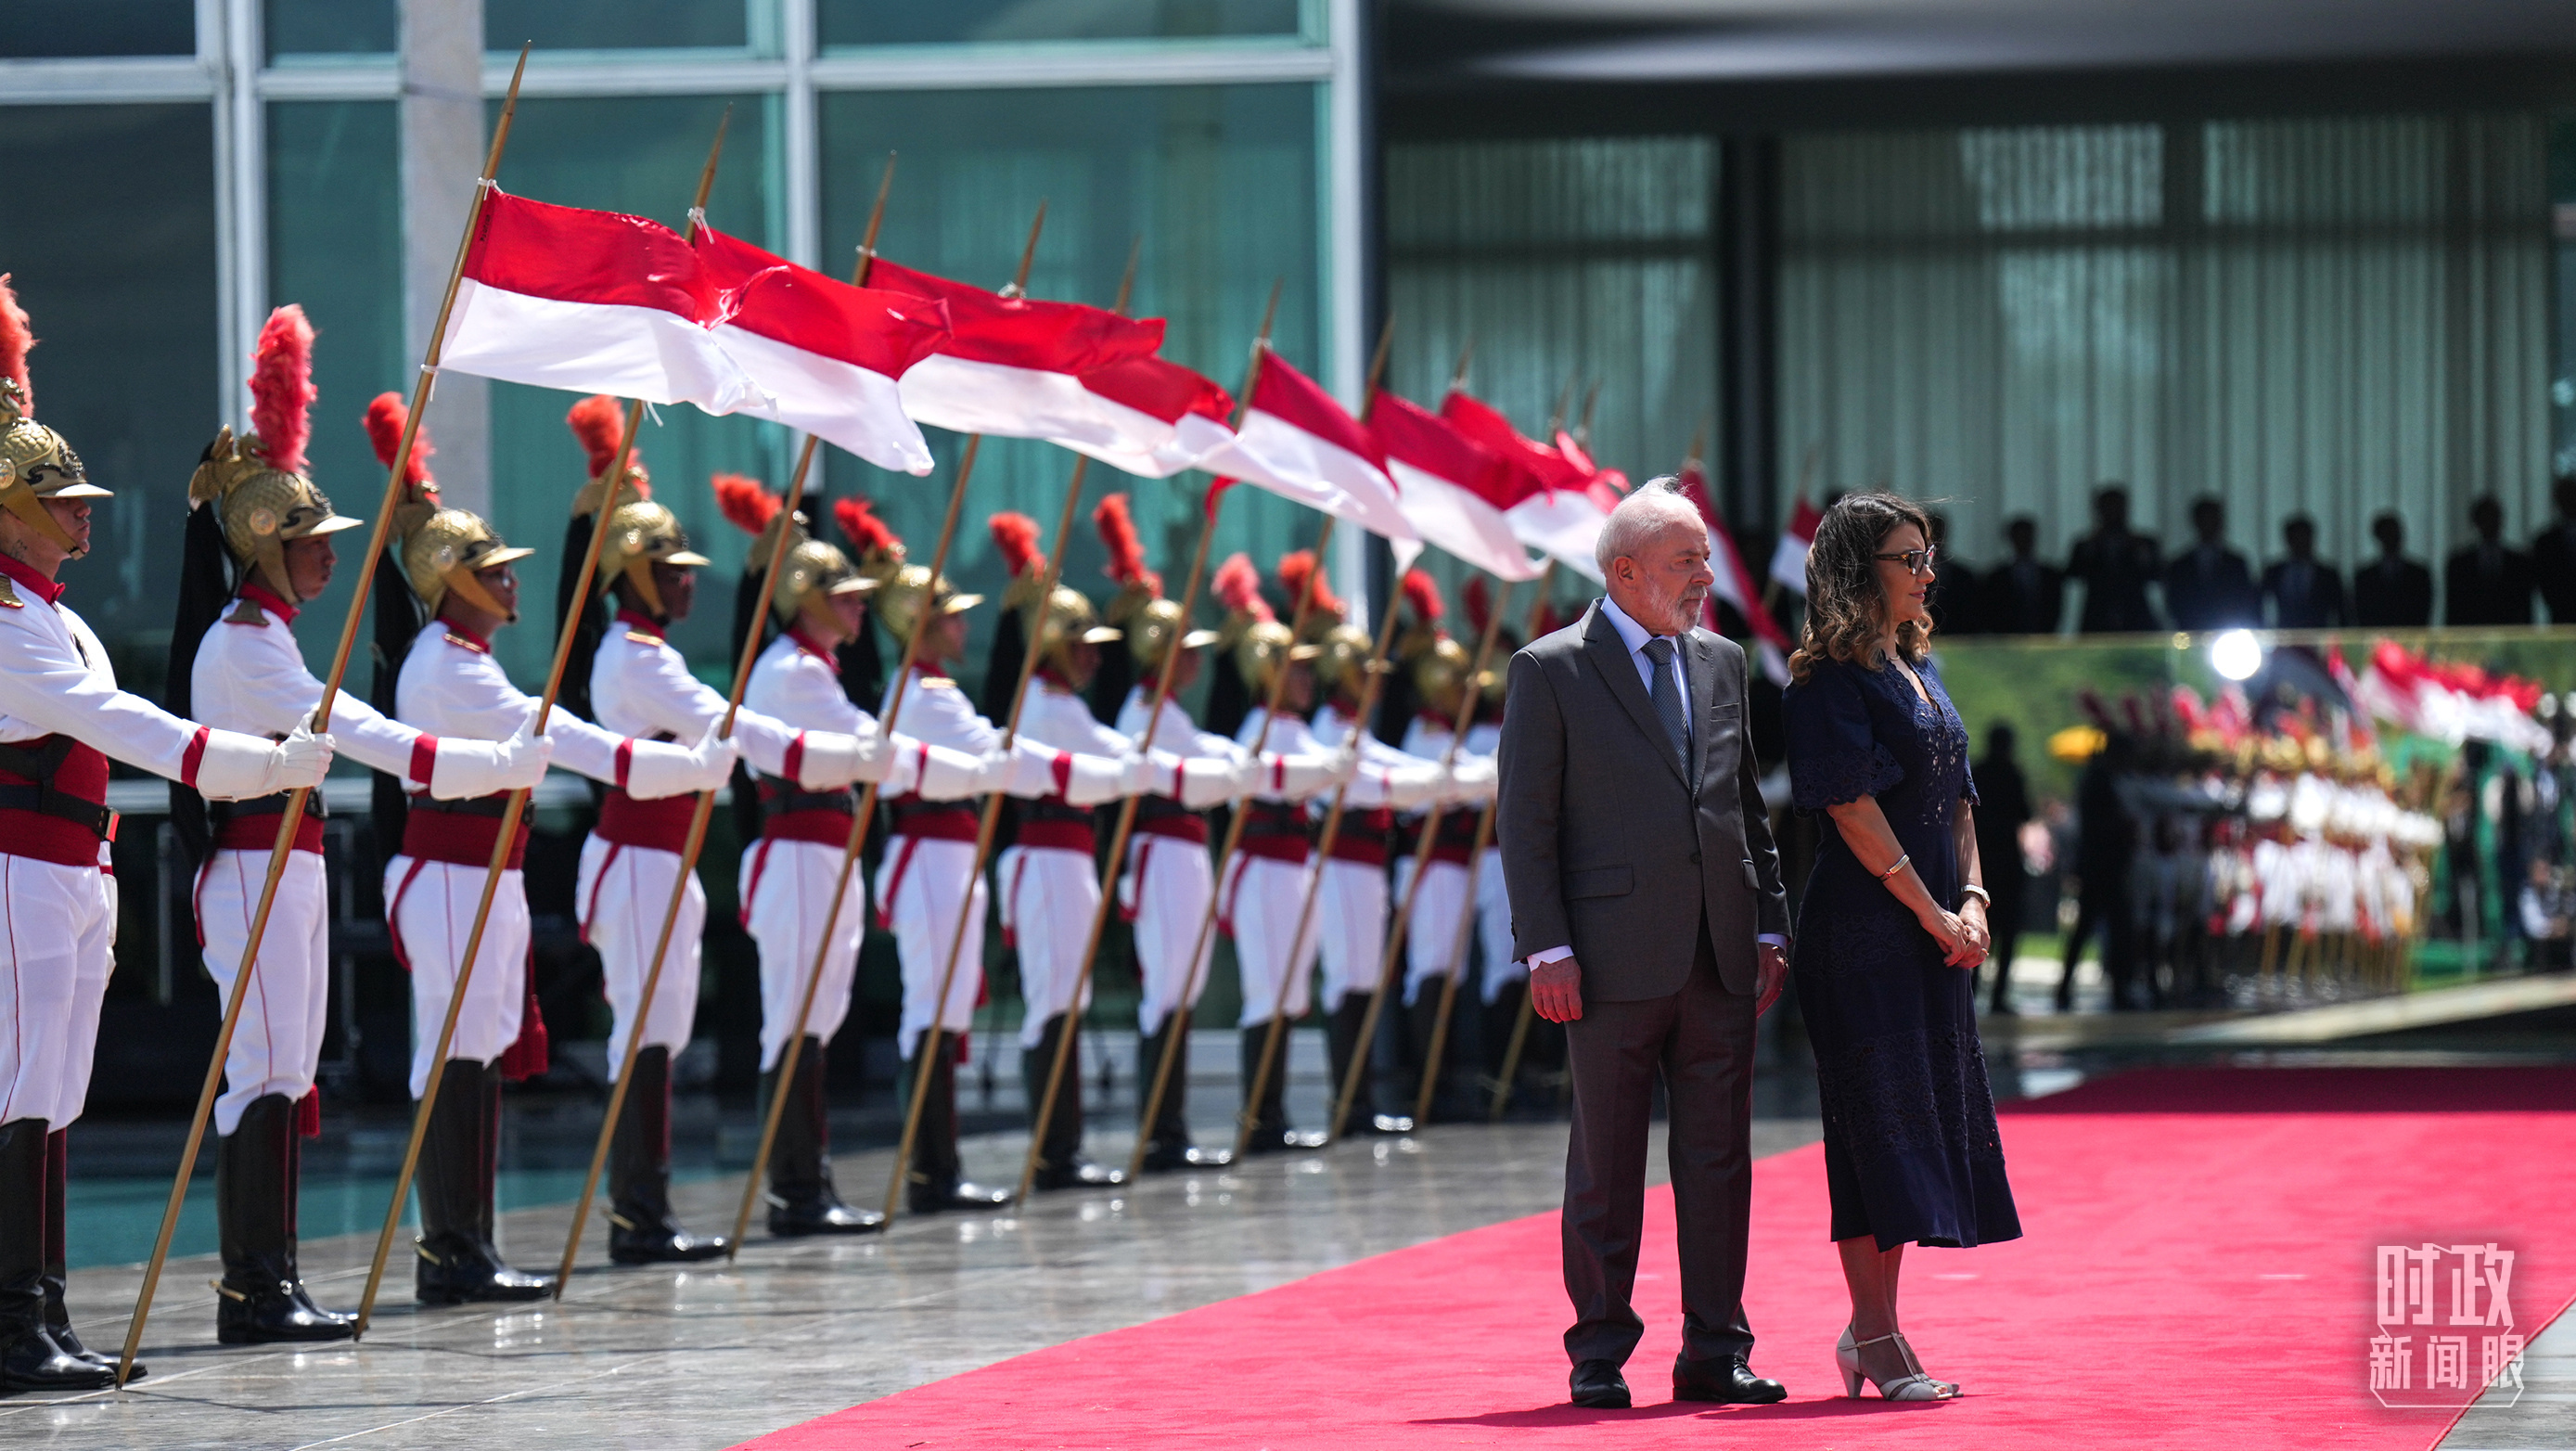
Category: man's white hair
[1643,515]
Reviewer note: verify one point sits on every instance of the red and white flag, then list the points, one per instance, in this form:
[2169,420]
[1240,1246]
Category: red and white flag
[1734,582]
[1454,491]
[1011,366]
[1789,556]
[1300,444]
[1165,417]
[591,302]
[1556,514]
[827,353]
[1606,486]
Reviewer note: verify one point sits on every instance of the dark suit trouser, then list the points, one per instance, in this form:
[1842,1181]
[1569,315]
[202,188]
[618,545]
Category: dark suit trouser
[1701,1041]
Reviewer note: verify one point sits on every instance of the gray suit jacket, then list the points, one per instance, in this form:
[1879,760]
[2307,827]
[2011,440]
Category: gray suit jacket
[1605,845]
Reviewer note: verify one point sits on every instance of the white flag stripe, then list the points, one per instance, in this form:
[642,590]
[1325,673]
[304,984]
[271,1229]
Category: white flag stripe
[1460,523]
[1564,526]
[1789,563]
[1007,402]
[1144,445]
[841,402]
[1288,461]
[593,347]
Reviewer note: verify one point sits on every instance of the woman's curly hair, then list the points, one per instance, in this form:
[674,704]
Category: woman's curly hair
[1845,607]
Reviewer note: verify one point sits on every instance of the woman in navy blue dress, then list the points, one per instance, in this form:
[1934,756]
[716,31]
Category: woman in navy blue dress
[1892,929]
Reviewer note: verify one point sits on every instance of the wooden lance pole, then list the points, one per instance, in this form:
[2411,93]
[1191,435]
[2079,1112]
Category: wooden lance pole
[1466,921]
[1393,957]
[1127,809]
[286,825]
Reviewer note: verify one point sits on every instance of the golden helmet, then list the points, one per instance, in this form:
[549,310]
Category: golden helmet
[1149,622]
[641,535]
[441,555]
[813,573]
[1067,621]
[1263,649]
[1347,657]
[37,464]
[261,507]
[903,590]
[1150,627]
[1440,676]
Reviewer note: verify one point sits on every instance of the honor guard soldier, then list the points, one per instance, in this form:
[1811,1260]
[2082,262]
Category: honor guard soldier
[1168,880]
[930,870]
[1436,668]
[259,548]
[61,720]
[449,685]
[1351,907]
[790,874]
[640,686]
[1502,976]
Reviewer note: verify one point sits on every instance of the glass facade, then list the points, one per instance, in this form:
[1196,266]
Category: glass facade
[82,29]
[853,23]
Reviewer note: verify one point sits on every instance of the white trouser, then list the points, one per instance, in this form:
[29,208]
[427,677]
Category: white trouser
[278,1042]
[1049,896]
[1494,925]
[1168,886]
[58,948]
[1350,912]
[1263,898]
[787,887]
[431,920]
[623,892]
[922,907]
[1431,946]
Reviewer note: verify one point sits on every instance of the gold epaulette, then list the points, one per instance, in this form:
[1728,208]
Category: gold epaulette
[462,643]
[938,682]
[246,613]
[9,597]
[640,638]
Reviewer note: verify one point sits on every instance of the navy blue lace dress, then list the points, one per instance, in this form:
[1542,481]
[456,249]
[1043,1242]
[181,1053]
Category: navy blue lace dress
[1911,1148]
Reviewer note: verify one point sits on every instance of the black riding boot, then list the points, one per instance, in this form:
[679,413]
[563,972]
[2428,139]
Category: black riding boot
[1167,1138]
[459,1171]
[801,1197]
[58,1317]
[260,1299]
[1265,1100]
[1342,1045]
[1060,1161]
[934,1181]
[641,1229]
[31,1360]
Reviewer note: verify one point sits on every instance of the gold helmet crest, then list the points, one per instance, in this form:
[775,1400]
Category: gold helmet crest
[256,482]
[36,463]
[640,535]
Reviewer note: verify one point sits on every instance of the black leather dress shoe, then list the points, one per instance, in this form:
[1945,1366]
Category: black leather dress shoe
[971,1197]
[819,1212]
[1598,1385]
[1728,1382]
[1165,1157]
[642,1237]
[1078,1174]
[271,1313]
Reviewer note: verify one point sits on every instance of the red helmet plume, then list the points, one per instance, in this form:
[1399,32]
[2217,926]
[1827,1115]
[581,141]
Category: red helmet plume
[1016,535]
[1295,568]
[1126,550]
[1238,585]
[1422,596]
[17,339]
[745,504]
[281,387]
[865,531]
[386,415]
[1479,603]
[598,421]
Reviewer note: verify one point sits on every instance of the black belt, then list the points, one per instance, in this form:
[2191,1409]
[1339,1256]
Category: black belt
[219,812]
[1160,808]
[45,798]
[781,797]
[496,806]
[1052,810]
[1275,818]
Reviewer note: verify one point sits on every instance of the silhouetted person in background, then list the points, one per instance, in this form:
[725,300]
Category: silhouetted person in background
[2003,806]
[2106,849]
[2023,596]
[2116,566]
[1957,608]
[2209,586]
[2392,591]
[2487,583]
[2305,591]
[2553,554]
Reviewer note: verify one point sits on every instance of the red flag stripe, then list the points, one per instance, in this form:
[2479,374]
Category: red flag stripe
[1295,399]
[570,254]
[1160,389]
[881,331]
[1054,337]
[1408,432]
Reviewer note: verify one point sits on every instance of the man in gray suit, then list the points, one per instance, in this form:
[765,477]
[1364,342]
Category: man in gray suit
[1646,898]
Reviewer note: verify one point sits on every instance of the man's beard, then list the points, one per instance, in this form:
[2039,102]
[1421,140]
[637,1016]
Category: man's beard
[1675,612]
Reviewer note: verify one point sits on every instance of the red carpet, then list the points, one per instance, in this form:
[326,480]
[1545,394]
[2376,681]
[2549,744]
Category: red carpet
[2197,1272]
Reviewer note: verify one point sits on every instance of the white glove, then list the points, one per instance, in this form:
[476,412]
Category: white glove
[935,773]
[463,768]
[1345,767]
[1407,787]
[1095,779]
[1211,780]
[657,769]
[236,767]
[1305,775]
[1471,782]
[1150,774]
[832,760]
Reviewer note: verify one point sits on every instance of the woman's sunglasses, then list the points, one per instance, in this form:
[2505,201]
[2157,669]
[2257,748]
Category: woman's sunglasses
[1916,561]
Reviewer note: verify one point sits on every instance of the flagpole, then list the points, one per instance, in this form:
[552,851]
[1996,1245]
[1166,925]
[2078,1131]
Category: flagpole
[1521,1021]
[793,1049]
[1467,921]
[295,802]
[1393,956]
[1119,835]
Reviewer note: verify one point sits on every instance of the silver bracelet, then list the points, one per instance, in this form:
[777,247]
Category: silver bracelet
[1980,893]
[1896,866]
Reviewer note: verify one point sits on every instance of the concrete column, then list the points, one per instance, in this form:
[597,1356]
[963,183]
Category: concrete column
[442,153]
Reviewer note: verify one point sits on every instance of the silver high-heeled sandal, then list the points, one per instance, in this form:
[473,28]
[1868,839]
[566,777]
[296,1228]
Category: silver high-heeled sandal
[1914,1386]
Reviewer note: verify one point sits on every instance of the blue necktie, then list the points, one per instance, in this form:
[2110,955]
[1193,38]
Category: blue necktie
[1668,698]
